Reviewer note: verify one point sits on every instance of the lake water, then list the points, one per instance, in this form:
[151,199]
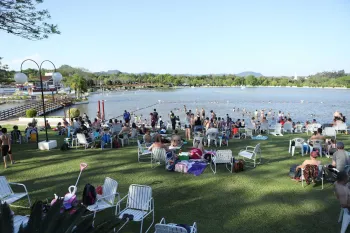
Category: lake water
[301,103]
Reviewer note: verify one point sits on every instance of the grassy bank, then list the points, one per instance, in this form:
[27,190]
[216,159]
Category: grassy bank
[259,200]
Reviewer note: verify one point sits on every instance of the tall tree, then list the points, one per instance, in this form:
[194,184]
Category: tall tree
[21,18]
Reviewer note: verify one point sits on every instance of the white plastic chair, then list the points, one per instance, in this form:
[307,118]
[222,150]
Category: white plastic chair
[264,127]
[248,133]
[19,220]
[220,137]
[344,217]
[288,127]
[341,127]
[222,157]
[298,128]
[139,203]
[110,142]
[163,227]
[142,152]
[317,144]
[82,141]
[107,199]
[212,137]
[134,136]
[277,130]
[298,143]
[6,193]
[124,139]
[303,179]
[158,156]
[330,132]
[251,153]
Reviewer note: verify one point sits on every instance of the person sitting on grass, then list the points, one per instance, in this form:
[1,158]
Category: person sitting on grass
[6,146]
[311,161]
[342,190]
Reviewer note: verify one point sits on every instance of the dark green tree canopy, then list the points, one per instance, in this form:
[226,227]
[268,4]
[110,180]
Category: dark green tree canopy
[21,18]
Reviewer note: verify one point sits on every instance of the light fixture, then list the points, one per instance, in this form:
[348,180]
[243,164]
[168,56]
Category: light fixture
[21,78]
[57,77]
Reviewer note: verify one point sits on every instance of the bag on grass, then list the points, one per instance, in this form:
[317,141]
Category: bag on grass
[89,195]
[292,173]
[238,166]
[64,146]
[99,190]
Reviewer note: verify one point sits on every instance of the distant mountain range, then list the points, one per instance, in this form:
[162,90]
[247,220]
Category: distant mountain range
[108,72]
[242,74]
[247,73]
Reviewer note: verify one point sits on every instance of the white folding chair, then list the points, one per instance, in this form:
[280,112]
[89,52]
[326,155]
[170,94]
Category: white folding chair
[164,227]
[134,136]
[330,132]
[158,156]
[107,199]
[139,204]
[298,143]
[82,141]
[222,157]
[251,153]
[142,152]
[6,193]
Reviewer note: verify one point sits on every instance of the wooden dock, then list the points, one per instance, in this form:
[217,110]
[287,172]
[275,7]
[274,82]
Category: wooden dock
[21,110]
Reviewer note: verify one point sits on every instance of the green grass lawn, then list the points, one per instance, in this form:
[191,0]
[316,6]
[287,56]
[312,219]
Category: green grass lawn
[260,200]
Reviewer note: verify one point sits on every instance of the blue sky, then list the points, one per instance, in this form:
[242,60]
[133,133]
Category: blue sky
[274,37]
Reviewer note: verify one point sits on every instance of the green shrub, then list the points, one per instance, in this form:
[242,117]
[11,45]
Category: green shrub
[74,112]
[31,112]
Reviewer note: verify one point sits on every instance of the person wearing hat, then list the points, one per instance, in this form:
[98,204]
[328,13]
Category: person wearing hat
[312,161]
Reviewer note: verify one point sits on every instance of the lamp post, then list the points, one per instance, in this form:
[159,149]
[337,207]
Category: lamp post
[22,78]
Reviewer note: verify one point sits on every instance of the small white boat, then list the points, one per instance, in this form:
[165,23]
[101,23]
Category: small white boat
[242,87]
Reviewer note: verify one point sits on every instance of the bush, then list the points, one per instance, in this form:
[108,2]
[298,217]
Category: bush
[74,112]
[31,112]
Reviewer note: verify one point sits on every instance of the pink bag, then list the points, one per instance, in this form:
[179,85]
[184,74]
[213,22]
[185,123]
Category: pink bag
[195,153]
[181,167]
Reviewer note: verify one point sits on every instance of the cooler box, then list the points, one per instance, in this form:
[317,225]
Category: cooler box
[184,156]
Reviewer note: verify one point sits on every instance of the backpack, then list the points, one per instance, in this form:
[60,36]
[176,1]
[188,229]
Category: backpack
[89,195]
[292,171]
[116,143]
[238,166]
[64,146]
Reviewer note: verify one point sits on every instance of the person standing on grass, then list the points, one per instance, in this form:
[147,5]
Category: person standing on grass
[6,146]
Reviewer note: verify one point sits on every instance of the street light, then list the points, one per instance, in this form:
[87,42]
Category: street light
[22,78]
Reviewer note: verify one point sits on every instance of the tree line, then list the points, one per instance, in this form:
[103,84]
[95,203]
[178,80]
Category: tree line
[81,79]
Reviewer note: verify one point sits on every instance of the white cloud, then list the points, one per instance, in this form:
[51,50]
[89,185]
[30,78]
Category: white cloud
[15,64]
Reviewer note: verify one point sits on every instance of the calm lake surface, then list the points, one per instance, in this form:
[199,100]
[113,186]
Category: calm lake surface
[302,103]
